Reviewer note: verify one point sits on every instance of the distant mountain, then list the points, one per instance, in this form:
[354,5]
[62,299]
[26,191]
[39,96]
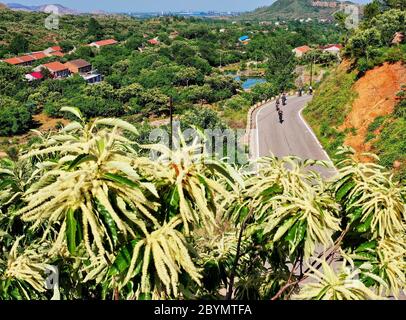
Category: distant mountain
[43,8]
[295,9]
[2,6]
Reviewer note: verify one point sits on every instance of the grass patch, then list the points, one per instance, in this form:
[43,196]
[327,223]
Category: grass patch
[375,125]
[329,108]
[391,145]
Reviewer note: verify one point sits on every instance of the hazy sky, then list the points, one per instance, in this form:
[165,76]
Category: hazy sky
[155,5]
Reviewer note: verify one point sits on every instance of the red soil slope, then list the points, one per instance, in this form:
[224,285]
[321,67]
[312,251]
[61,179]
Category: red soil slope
[377,91]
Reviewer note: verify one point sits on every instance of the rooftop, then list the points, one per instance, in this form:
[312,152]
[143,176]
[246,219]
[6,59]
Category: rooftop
[56,48]
[26,58]
[329,46]
[57,54]
[38,55]
[36,75]
[303,49]
[55,66]
[104,42]
[13,61]
[79,63]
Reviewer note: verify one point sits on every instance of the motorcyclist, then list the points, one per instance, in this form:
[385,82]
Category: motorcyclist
[284,98]
[280,114]
[277,103]
[311,90]
[300,92]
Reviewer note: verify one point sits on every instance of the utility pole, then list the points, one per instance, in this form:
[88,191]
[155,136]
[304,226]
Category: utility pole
[311,71]
[171,122]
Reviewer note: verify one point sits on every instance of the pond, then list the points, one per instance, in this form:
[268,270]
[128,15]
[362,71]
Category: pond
[250,82]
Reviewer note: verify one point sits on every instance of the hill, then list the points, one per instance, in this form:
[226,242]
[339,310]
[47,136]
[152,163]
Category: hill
[2,6]
[296,9]
[42,8]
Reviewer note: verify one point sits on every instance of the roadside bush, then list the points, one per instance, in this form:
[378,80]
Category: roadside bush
[15,117]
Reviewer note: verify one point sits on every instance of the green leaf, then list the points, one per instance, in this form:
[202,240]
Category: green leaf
[272,191]
[123,259]
[71,226]
[367,245]
[284,228]
[355,215]
[108,220]
[344,189]
[244,211]
[145,296]
[81,159]
[74,111]
[121,180]
[366,225]
[101,144]
[296,235]
[227,171]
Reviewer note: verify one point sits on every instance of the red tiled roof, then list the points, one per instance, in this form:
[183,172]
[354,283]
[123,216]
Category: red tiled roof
[13,61]
[153,41]
[56,48]
[105,42]
[36,75]
[26,58]
[57,54]
[55,66]
[38,55]
[339,46]
[303,49]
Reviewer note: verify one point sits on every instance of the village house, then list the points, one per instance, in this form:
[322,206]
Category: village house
[28,59]
[38,55]
[79,66]
[85,70]
[244,40]
[57,69]
[53,51]
[103,43]
[20,61]
[34,76]
[300,51]
[332,48]
[92,77]
[153,41]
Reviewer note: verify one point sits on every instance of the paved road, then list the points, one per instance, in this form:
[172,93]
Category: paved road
[292,137]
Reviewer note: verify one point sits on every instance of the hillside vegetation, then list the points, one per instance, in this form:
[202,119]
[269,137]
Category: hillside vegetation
[360,104]
[290,10]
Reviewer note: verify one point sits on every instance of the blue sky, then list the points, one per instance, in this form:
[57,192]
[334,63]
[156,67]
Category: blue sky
[155,5]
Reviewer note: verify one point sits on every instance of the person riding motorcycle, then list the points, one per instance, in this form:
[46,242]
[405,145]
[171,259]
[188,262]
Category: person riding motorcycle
[284,98]
[310,90]
[280,114]
[277,103]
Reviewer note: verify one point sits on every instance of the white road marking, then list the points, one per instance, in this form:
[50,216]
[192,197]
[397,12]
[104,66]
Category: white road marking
[312,133]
